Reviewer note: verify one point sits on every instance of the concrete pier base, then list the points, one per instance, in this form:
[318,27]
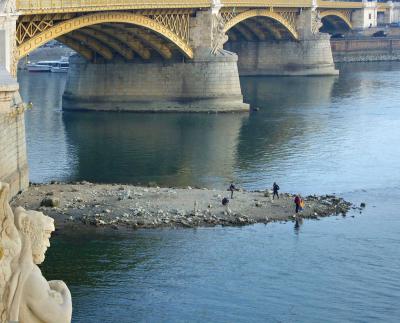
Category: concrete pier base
[298,58]
[207,84]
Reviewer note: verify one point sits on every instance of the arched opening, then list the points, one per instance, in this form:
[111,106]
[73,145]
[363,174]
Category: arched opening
[259,29]
[335,23]
[260,25]
[106,36]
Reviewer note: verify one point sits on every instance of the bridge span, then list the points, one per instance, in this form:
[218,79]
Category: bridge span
[167,55]
[43,20]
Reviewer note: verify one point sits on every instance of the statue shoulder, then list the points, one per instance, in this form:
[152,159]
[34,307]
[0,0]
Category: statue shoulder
[36,285]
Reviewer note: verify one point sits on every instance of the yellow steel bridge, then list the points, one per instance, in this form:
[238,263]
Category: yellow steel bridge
[141,28]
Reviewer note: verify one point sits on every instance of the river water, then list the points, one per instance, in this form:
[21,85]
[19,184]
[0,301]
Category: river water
[311,135]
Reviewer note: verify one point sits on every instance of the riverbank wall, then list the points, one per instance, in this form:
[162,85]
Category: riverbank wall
[366,49]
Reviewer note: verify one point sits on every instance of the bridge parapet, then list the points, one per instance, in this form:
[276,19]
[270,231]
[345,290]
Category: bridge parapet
[59,6]
[27,7]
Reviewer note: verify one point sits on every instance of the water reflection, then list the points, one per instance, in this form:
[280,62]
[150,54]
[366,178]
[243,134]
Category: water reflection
[297,225]
[48,155]
[169,149]
[285,105]
[94,256]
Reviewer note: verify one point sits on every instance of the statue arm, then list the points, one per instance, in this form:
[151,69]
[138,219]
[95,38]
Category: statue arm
[49,301]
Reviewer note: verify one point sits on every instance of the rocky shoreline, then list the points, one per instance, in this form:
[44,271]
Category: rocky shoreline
[116,206]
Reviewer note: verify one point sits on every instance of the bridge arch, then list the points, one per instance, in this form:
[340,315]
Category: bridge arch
[62,29]
[337,20]
[275,16]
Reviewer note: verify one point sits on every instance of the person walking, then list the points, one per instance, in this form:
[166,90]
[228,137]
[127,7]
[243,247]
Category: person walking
[275,189]
[232,188]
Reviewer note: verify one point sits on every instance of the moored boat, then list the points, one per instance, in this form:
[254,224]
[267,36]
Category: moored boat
[60,66]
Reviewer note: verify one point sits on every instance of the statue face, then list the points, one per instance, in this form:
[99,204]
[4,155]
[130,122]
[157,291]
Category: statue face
[40,245]
[43,226]
[38,228]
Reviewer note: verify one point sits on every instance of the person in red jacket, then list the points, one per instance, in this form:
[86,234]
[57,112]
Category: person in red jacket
[297,201]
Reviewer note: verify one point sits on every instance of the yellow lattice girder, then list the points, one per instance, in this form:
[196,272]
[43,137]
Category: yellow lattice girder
[273,30]
[93,44]
[245,32]
[77,46]
[125,52]
[232,35]
[152,41]
[338,14]
[126,39]
[98,18]
[261,35]
[262,13]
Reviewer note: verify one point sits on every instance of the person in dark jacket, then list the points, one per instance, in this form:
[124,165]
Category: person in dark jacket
[275,189]
[232,188]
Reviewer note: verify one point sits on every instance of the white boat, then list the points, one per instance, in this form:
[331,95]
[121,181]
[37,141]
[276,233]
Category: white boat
[41,66]
[60,66]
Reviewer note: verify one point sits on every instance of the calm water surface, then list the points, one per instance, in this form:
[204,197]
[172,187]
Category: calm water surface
[311,135]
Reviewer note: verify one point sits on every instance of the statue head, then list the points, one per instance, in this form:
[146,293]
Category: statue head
[36,227]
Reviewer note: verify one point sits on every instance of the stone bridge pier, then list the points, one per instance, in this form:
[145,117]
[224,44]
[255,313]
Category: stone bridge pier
[282,51]
[208,82]
[13,160]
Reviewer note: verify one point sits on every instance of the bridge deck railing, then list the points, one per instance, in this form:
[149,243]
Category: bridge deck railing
[38,6]
[53,6]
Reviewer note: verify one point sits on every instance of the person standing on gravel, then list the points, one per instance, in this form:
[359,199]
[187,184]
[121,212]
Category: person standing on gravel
[275,189]
[297,201]
[232,188]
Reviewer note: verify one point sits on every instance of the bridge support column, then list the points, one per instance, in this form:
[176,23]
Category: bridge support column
[8,22]
[192,86]
[13,160]
[286,58]
[310,55]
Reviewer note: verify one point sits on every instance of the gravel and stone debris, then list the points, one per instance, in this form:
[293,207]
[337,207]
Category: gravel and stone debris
[116,206]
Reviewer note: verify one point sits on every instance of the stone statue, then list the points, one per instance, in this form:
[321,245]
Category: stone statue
[219,38]
[26,296]
[7,6]
[316,22]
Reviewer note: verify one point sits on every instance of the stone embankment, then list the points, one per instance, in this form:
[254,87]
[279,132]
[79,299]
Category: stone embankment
[119,206]
[366,49]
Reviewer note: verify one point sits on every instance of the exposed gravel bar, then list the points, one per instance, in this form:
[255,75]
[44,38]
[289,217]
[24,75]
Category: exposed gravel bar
[116,206]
